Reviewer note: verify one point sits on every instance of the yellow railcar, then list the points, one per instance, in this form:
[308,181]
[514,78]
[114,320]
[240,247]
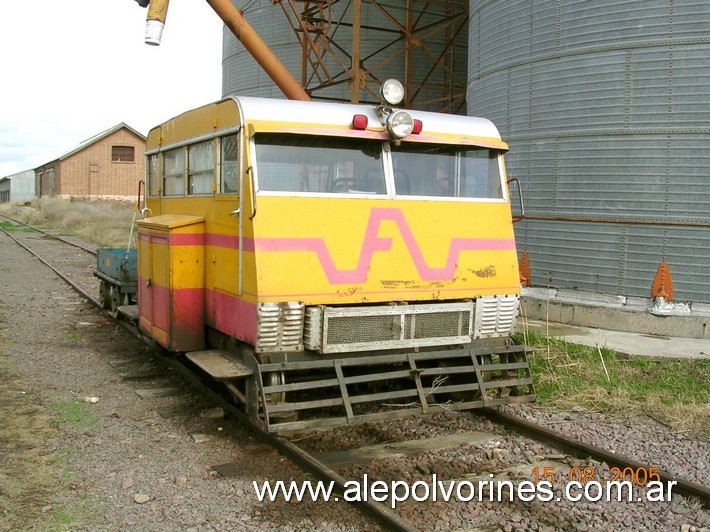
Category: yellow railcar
[333,263]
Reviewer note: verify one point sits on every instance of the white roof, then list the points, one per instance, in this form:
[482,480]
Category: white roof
[341,114]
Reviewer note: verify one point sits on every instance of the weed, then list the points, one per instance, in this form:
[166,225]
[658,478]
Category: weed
[74,413]
[13,228]
[675,392]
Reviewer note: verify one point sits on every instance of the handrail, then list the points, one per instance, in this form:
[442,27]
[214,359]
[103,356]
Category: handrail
[515,180]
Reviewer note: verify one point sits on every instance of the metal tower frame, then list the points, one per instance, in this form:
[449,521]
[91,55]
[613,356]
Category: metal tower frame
[330,58]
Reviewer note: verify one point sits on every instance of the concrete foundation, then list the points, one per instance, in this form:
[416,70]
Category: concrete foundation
[616,313]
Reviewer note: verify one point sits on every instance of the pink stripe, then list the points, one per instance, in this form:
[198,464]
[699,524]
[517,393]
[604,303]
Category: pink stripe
[187,239]
[200,239]
[175,318]
[372,243]
[232,316]
[229,241]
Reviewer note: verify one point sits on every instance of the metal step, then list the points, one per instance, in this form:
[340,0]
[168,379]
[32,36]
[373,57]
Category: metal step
[221,365]
[129,311]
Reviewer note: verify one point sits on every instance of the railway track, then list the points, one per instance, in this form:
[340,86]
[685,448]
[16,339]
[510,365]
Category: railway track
[317,460]
[79,245]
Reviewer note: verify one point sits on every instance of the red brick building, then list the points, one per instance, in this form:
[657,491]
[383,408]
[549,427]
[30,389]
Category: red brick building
[106,166]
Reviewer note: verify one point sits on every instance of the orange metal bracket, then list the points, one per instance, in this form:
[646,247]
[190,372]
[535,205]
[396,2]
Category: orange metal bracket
[525,274]
[663,284]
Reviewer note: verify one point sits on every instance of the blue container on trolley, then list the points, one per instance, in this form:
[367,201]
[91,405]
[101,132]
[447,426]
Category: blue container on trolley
[118,271]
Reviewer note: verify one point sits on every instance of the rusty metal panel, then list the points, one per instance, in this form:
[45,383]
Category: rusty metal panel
[604,105]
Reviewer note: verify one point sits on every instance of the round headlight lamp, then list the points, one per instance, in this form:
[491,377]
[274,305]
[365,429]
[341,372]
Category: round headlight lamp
[392,91]
[400,124]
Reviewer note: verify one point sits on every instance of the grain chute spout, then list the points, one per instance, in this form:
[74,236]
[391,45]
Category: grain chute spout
[242,30]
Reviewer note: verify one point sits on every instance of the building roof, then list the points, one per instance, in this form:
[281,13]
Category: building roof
[93,140]
[24,173]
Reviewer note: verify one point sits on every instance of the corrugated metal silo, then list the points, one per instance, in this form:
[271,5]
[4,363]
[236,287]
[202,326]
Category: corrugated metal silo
[606,108]
[383,41]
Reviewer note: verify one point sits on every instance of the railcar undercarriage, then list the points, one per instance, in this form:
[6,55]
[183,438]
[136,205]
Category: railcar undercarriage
[306,390]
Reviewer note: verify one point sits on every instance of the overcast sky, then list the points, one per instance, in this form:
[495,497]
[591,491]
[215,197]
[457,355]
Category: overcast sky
[72,69]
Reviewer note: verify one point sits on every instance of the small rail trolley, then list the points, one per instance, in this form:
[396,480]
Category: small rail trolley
[332,263]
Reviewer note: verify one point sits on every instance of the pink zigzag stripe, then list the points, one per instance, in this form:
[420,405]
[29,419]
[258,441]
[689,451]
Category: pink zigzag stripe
[373,243]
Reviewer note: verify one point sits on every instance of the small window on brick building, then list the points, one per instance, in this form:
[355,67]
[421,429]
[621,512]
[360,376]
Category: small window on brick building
[124,154]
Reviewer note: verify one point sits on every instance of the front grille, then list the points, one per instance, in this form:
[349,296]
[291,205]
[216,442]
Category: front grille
[279,327]
[338,330]
[495,316]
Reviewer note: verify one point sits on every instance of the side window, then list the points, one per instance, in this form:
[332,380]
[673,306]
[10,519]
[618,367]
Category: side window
[200,168]
[173,172]
[229,165]
[153,176]
[480,177]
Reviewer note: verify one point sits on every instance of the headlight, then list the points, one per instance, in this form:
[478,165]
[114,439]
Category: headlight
[392,91]
[400,124]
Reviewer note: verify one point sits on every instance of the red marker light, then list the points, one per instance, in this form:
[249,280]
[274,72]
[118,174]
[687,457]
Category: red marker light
[417,127]
[360,122]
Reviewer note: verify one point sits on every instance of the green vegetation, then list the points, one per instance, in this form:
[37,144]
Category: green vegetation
[74,413]
[14,228]
[106,224]
[674,392]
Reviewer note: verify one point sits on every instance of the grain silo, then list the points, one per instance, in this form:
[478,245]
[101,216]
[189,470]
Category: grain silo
[326,45]
[606,107]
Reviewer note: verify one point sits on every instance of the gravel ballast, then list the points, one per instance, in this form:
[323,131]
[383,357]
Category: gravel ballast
[81,450]
[117,463]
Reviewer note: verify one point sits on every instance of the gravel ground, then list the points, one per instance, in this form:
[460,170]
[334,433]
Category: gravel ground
[117,463]
[513,457]
[641,438]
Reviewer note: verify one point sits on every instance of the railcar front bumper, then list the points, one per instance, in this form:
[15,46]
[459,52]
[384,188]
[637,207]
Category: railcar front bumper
[327,392]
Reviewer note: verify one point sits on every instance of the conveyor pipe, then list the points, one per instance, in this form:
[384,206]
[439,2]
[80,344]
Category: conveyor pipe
[235,21]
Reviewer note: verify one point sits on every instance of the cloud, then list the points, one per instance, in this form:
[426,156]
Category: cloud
[74,69]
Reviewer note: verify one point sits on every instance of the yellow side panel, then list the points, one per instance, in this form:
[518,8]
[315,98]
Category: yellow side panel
[194,123]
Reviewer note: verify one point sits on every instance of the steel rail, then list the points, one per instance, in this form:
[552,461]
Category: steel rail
[295,453]
[378,510]
[75,244]
[66,279]
[582,450]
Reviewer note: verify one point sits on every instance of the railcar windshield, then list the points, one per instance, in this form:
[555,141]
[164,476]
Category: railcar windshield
[340,165]
[447,171]
[304,163]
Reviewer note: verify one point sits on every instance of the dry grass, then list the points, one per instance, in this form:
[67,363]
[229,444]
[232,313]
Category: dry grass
[105,224]
[28,473]
[673,392]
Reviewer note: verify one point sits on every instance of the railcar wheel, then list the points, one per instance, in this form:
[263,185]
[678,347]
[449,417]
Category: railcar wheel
[275,378]
[118,299]
[105,295]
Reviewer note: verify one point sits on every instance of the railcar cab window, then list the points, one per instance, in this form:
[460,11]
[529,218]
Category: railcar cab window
[310,164]
[447,171]
[173,172]
[153,175]
[228,165]
[200,168]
